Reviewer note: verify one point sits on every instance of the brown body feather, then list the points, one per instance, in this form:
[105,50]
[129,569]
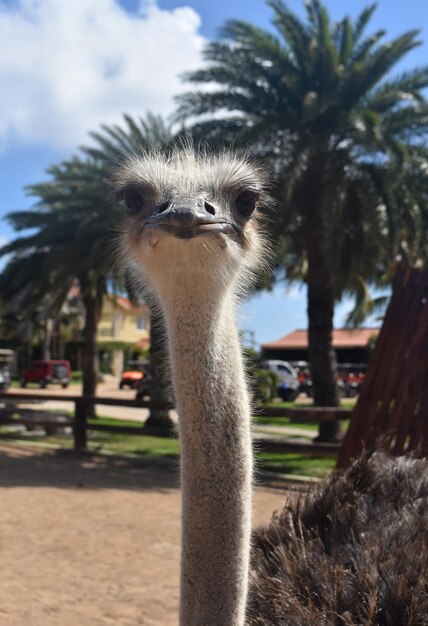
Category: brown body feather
[353,551]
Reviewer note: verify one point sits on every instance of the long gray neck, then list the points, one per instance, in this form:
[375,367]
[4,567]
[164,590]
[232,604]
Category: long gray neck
[216,461]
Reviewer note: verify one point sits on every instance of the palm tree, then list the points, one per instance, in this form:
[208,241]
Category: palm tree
[73,237]
[112,143]
[317,100]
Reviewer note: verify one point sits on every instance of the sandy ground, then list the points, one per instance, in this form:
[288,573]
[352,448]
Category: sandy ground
[92,540]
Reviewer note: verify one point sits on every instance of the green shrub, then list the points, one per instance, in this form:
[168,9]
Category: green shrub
[264,385]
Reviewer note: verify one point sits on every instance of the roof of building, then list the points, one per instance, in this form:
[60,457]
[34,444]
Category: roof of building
[124,303]
[342,338]
[127,305]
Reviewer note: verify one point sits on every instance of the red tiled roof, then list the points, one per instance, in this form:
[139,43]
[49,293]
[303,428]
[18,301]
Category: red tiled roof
[126,304]
[123,302]
[342,338]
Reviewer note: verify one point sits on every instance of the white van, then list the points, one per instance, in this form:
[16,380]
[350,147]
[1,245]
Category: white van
[287,375]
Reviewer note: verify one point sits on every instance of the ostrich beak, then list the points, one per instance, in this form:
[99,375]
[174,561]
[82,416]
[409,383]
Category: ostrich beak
[186,218]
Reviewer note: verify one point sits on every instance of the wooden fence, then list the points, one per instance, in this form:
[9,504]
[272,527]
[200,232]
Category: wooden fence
[81,426]
[393,403]
[79,422]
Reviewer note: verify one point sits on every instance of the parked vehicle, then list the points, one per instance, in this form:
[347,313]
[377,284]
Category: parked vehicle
[47,372]
[143,386]
[304,377]
[6,360]
[287,393]
[144,389]
[351,375]
[288,388]
[350,378]
[134,372]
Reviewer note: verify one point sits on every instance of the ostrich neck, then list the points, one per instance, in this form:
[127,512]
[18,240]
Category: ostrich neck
[216,465]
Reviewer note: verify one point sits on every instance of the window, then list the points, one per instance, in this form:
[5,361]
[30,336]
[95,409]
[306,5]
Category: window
[141,323]
[105,331]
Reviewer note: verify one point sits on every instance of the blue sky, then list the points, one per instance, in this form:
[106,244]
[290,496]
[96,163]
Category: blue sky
[66,67]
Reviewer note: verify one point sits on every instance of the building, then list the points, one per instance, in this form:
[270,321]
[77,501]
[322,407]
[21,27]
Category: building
[351,345]
[123,326]
[124,322]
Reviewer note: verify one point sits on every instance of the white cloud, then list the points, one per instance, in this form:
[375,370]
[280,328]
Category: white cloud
[66,67]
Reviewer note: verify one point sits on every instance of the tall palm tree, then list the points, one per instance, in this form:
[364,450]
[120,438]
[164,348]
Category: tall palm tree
[318,101]
[72,237]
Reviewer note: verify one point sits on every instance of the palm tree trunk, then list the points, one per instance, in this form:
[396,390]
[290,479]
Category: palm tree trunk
[322,356]
[159,421]
[89,351]
[47,340]
[92,301]
[85,408]
[321,298]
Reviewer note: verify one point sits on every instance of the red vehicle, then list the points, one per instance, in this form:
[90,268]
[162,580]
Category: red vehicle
[45,372]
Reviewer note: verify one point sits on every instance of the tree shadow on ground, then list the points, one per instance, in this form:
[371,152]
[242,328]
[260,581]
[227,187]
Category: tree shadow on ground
[22,466]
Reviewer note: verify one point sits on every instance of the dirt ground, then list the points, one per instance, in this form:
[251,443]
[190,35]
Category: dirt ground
[92,540]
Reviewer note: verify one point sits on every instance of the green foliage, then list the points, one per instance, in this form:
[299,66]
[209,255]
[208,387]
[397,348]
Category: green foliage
[264,385]
[251,358]
[113,142]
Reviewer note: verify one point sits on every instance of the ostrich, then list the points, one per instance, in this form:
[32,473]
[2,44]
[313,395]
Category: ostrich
[354,550]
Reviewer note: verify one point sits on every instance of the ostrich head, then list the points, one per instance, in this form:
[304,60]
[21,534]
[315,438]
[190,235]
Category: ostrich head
[192,220]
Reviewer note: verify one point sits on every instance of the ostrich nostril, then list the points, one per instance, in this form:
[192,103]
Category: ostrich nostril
[209,207]
[162,207]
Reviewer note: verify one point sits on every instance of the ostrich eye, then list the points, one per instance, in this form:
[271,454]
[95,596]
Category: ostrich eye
[246,203]
[134,200]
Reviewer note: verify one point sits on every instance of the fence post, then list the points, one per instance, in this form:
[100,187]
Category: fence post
[79,426]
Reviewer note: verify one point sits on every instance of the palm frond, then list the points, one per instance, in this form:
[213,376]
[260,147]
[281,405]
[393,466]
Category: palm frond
[362,21]
[294,32]
[344,40]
